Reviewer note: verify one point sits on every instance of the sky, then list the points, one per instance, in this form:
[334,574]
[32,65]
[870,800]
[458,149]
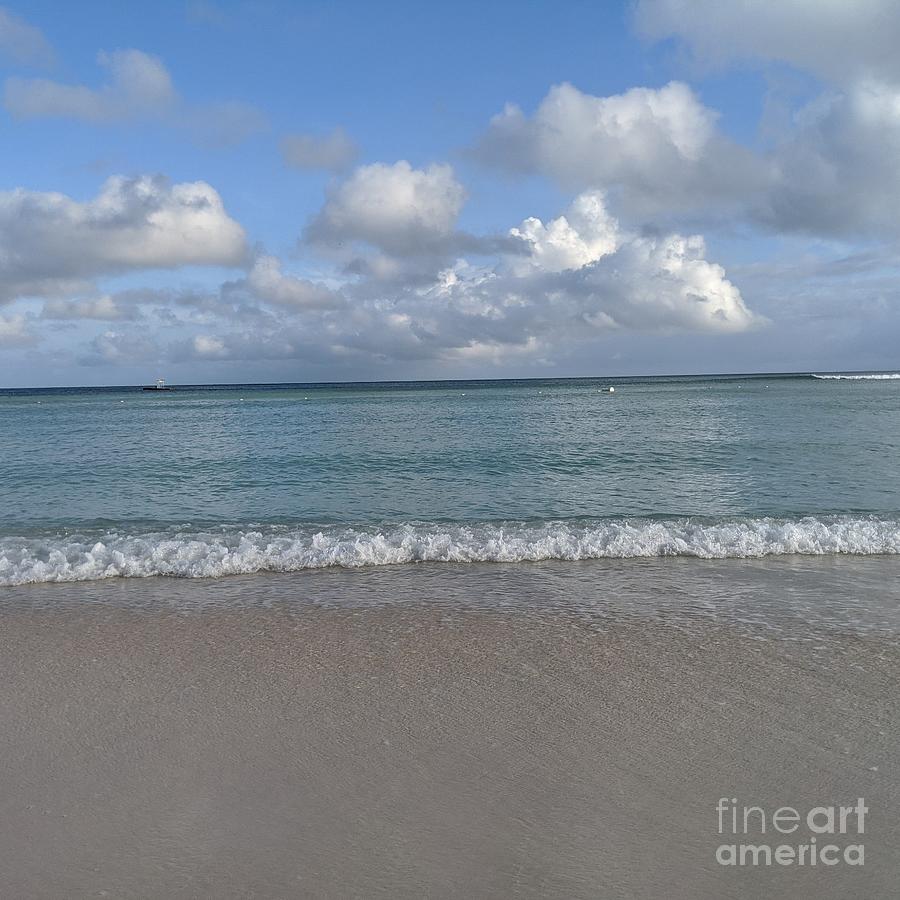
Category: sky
[280,191]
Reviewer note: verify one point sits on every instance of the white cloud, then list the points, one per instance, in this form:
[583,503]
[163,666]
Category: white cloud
[394,225]
[267,282]
[836,39]
[833,171]
[50,242]
[579,136]
[21,42]
[395,208]
[663,284]
[574,279]
[584,235]
[587,269]
[658,148]
[582,276]
[834,165]
[838,171]
[139,86]
[334,152]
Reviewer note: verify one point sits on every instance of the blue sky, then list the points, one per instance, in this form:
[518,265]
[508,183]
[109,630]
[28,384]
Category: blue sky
[296,191]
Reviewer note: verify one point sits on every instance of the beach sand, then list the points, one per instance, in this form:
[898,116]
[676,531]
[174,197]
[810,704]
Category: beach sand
[424,750]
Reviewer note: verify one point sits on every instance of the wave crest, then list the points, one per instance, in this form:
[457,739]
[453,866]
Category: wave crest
[236,551]
[891,376]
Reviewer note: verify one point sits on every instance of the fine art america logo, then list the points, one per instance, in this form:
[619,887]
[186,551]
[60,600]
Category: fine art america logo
[786,836]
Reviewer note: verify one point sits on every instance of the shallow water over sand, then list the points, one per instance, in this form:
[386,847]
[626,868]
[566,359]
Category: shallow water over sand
[798,597]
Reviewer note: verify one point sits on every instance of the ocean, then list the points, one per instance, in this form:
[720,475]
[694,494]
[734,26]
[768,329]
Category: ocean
[209,481]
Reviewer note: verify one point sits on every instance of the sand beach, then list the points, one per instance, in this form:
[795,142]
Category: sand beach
[421,748]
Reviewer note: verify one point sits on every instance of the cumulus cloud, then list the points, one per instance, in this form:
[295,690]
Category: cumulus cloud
[838,171]
[649,125]
[659,148]
[831,38]
[21,42]
[394,225]
[268,283]
[333,152]
[660,284]
[52,243]
[586,233]
[579,276]
[571,280]
[833,171]
[584,274]
[833,166]
[395,208]
[139,86]
[587,272]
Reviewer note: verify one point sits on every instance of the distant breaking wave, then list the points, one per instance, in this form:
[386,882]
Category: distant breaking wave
[243,550]
[893,376]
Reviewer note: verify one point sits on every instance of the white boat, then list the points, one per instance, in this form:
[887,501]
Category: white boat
[159,386]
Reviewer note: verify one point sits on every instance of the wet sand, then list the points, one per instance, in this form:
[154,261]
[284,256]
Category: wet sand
[426,751]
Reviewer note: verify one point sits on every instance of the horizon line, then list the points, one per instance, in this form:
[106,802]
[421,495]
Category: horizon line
[386,381]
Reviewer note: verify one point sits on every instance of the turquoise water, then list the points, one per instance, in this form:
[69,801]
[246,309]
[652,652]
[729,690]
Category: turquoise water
[212,481]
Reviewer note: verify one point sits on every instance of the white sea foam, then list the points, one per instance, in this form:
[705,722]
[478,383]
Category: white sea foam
[233,551]
[890,376]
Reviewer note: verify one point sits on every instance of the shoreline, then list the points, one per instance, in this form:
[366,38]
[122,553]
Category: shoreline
[800,597]
[424,748]
[223,551]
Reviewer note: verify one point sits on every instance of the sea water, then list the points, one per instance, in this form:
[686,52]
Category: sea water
[208,481]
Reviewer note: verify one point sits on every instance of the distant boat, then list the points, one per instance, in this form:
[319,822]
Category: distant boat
[159,386]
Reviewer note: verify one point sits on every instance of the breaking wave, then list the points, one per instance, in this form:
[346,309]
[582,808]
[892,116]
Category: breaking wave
[242,550]
[891,376]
